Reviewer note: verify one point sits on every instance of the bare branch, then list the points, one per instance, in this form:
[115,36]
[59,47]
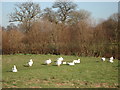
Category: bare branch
[25,12]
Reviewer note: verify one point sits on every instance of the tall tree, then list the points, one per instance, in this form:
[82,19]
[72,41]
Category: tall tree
[64,8]
[11,26]
[115,22]
[50,15]
[77,16]
[25,13]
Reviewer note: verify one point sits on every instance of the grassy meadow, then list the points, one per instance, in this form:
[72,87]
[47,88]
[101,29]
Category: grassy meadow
[90,73]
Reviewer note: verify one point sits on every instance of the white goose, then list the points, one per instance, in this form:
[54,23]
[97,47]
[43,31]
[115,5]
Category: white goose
[76,61]
[103,59]
[30,63]
[59,62]
[60,59]
[48,61]
[71,63]
[14,69]
[111,60]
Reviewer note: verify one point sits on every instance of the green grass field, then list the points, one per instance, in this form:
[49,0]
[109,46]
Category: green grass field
[90,73]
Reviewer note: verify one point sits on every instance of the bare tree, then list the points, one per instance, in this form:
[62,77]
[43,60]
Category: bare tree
[25,13]
[11,26]
[64,8]
[77,16]
[50,15]
[115,17]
